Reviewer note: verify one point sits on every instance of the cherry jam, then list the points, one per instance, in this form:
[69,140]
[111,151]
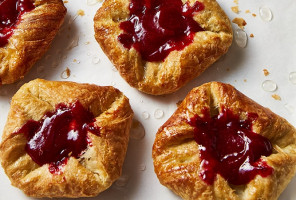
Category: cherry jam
[59,135]
[10,13]
[157,27]
[229,147]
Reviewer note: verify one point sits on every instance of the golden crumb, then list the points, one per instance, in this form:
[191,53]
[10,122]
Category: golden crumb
[251,35]
[276,97]
[266,72]
[245,80]
[66,1]
[254,15]
[247,11]
[240,22]
[178,103]
[235,80]
[235,9]
[235,1]
[74,60]
[80,12]
[68,72]
[87,43]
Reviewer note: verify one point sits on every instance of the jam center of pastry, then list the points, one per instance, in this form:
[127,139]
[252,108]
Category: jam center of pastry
[229,147]
[157,27]
[59,135]
[10,13]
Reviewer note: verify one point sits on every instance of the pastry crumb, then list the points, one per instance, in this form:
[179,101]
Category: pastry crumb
[276,97]
[251,35]
[80,12]
[240,22]
[86,43]
[247,11]
[235,1]
[76,61]
[266,72]
[254,15]
[66,1]
[235,9]
[245,80]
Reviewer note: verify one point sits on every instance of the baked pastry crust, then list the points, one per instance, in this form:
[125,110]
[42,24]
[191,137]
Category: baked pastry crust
[176,153]
[96,169]
[179,67]
[31,39]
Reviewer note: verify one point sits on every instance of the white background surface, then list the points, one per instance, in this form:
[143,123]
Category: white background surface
[273,47]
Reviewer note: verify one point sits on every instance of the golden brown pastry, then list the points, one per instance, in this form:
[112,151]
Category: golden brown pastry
[30,36]
[78,132]
[219,144]
[147,54]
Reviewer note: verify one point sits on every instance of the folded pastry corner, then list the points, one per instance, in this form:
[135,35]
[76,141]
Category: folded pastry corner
[65,139]
[159,46]
[219,144]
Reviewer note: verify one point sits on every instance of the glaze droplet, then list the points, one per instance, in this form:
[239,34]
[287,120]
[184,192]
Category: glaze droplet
[74,43]
[158,113]
[66,73]
[96,60]
[145,115]
[265,14]
[114,69]
[292,77]
[241,38]
[269,86]
[137,130]
[142,167]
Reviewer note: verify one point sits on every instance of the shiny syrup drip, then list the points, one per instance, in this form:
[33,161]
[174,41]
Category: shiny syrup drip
[59,135]
[10,12]
[229,147]
[157,27]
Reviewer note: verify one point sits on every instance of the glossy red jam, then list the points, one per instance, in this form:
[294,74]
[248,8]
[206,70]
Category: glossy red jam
[59,135]
[229,147]
[157,27]
[10,12]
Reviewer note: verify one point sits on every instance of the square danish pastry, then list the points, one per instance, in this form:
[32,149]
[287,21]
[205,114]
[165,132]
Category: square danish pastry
[27,28]
[219,144]
[64,139]
[159,45]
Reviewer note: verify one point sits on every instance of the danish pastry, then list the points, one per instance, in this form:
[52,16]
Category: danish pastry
[219,144]
[159,45]
[64,139]
[27,28]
